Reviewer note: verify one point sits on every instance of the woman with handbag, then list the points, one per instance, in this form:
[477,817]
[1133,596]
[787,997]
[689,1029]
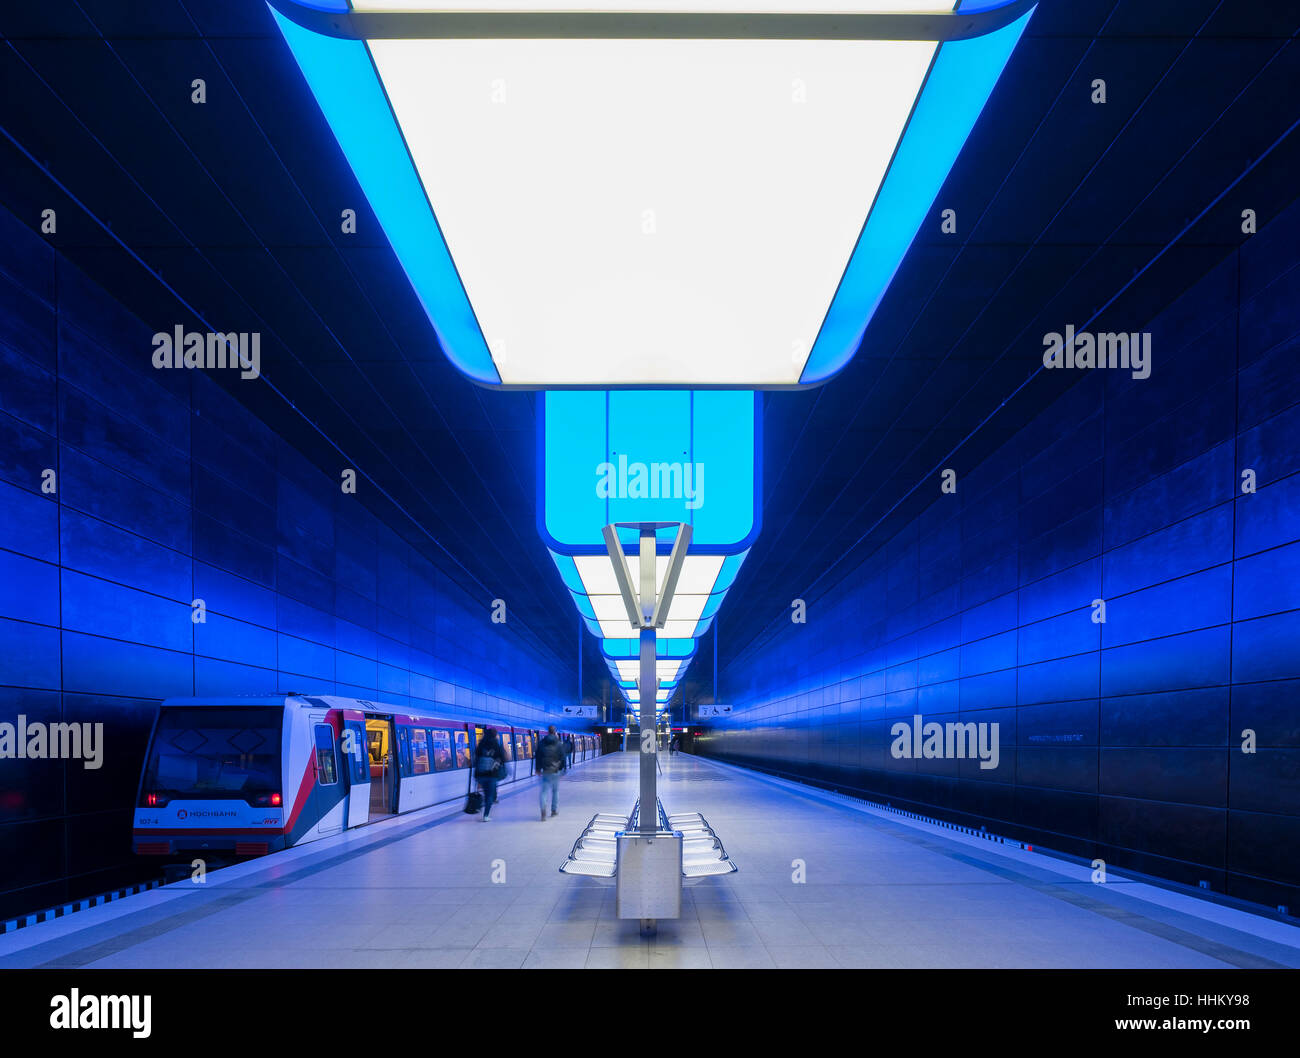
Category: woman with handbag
[489,768]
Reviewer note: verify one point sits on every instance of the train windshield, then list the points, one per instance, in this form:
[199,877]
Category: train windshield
[212,752]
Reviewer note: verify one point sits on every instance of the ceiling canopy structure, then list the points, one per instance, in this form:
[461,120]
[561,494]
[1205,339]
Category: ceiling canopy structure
[663,457]
[637,194]
[652,197]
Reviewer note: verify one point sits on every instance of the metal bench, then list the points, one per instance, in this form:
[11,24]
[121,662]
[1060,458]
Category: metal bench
[703,854]
[595,853]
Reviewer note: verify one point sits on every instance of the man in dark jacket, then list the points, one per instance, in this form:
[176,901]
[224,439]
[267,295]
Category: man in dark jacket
[550,762]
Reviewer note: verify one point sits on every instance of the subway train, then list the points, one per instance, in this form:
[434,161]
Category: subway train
[246,776]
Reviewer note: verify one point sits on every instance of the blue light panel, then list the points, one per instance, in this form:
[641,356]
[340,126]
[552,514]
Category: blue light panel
[343,80]
[346,84]
[717,430]
[960,82]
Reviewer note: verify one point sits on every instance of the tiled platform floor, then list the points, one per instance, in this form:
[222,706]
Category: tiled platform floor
[877,891]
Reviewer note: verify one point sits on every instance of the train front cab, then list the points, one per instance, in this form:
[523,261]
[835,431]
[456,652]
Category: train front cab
[213,779]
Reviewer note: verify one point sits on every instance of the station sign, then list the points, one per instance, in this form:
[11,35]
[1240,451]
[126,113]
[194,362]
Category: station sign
[712,710]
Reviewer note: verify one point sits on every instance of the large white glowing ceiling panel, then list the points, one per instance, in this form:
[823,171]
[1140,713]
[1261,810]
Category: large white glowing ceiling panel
[640,212]
[651,194]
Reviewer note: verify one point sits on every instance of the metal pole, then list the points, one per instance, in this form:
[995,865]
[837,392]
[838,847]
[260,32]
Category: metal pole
[649,686]
[715,659]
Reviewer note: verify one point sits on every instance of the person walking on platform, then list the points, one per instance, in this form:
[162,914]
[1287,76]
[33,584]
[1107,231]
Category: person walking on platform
[550,762]
[489,768]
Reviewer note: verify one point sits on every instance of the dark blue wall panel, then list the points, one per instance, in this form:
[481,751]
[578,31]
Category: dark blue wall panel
[169,490]
[1124,739]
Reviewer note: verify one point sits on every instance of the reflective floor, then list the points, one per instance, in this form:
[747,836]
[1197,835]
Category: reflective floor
[821,884]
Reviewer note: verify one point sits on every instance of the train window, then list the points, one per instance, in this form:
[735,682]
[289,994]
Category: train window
[215,752]
[462,748]
[442,750]
[419,751]
[506,744]
[528,746]
[326,767]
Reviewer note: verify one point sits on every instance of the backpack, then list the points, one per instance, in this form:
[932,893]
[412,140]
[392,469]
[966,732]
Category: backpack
[487,766]
[550,755]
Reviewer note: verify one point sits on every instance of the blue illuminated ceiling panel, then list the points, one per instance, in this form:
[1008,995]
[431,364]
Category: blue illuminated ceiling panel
[649,455]
[702,586]
[960,81]
[625,649]
[795,156]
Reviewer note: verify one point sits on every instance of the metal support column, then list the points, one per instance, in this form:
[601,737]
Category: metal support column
[648,683]
[716,698]
[648,863]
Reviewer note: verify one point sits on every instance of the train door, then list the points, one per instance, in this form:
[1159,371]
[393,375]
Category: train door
[325,767]
[476,740]
[507,738]
[464,754]
[356,767]
[381,752]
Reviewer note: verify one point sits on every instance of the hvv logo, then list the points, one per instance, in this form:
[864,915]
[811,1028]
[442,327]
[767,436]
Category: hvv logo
[637,481]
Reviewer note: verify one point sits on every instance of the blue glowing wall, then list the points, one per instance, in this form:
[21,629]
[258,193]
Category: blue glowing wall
[168,491]
[1120,740]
